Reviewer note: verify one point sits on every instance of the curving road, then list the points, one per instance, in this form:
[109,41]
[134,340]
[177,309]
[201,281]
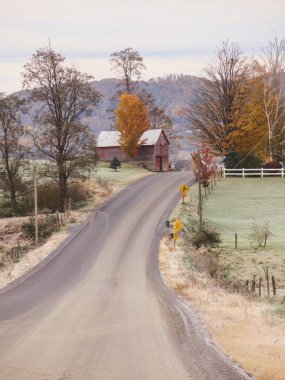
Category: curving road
[98,309]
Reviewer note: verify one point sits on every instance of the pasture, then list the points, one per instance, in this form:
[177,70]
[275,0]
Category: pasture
[232,207]
[236,203]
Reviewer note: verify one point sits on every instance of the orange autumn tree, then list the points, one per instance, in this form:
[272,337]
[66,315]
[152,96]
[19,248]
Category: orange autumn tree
[131,121]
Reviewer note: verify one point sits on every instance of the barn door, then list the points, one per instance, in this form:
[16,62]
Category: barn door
[158,164]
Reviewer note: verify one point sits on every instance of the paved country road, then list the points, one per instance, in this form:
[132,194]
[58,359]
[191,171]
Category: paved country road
[99,310]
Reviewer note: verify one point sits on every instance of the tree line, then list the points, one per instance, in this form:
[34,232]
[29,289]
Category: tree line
[58,136]
[239,108]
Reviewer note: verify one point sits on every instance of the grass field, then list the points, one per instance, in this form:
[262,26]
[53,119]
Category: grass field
[250,330]
[236,203]
[120,178]
[231,208]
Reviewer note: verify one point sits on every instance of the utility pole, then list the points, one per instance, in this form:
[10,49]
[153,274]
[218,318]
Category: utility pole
[36,206]
[200,192]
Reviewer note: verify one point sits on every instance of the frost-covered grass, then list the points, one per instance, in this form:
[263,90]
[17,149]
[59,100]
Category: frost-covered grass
[248,331]
[236,203]
[120,178]
[232,207]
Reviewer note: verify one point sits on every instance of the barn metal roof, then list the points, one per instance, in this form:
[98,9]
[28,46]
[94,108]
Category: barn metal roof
[111,138]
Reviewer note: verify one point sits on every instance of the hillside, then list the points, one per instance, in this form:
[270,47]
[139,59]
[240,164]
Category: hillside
[170,93]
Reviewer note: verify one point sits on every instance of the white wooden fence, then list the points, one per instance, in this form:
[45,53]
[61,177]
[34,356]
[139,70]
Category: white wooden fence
[253,172]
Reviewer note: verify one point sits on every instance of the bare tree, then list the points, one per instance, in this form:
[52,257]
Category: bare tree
[160,120]
[64,96]
[12,148]
[128,64]
[219,101]
[273,74]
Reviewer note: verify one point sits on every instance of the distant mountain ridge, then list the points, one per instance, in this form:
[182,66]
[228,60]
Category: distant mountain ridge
[171,93]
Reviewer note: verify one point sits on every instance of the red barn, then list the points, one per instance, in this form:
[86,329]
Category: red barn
[152,154]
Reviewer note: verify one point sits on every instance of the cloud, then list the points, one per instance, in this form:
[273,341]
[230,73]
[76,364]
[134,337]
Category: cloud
[167,33]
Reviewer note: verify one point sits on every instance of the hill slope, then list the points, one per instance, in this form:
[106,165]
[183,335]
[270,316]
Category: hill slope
[171,93]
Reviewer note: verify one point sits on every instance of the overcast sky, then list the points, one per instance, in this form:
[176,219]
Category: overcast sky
[177,36]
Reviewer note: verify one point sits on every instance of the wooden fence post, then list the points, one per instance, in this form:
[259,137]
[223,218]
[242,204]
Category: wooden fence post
[253,284]
[259,286]
[236,240]
[267,279]
[273,286]
[265,240]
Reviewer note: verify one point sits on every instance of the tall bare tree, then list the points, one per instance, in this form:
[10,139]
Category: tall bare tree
[219,101]
[273,74]
[12,149]
[128,64]
[64,96]
[160,120]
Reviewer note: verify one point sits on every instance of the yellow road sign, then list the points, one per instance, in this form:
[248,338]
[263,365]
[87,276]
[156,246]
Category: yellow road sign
[176,235]
[177,225]
[184,188]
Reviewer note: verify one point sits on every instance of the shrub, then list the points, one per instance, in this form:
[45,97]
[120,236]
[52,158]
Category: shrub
[5,212]
[272,165]
[23,207]
[115,163]
[47,225]
[206,237]
[48,197]
[102,182]
[237,160]
[79,192]
[259,232]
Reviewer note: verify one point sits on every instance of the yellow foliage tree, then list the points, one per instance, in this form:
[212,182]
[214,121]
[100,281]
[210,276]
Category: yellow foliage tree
[131,121]
[251,134]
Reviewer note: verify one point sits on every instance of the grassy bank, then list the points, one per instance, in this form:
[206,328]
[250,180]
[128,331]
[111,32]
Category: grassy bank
[250,330]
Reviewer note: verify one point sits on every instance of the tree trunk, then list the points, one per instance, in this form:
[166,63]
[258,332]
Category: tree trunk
[14,204]
[12,191]
[62,187]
